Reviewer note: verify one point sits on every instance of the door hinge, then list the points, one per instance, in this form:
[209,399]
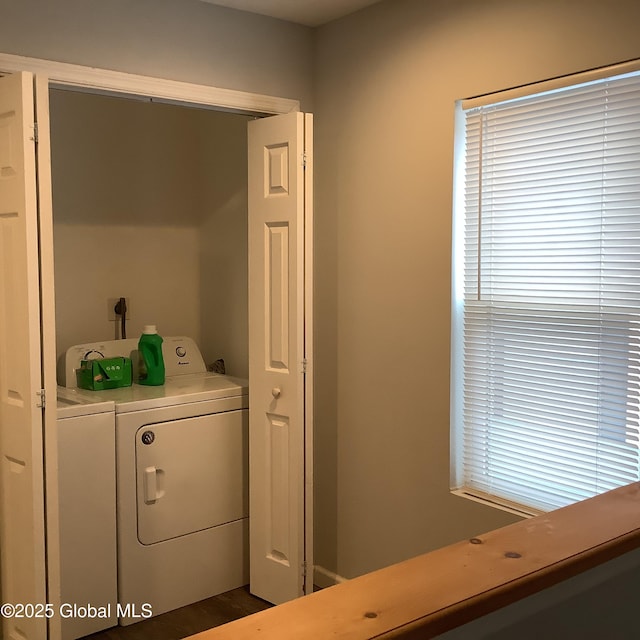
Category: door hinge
[304,569]
[34,137]
[42,399]
[304,160]
[304,366]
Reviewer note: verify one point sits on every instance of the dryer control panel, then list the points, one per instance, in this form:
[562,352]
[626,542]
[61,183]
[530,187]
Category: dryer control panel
[181,355]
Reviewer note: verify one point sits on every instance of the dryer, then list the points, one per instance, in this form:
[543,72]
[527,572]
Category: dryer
[181,478]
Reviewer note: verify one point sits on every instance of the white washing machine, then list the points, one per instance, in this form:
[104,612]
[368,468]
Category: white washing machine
[87,511]
[182,479]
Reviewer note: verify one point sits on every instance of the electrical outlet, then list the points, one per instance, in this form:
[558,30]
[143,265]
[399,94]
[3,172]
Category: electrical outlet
[111,311]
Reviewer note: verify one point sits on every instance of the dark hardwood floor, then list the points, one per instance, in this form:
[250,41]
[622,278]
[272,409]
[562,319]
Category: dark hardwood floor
[186,621]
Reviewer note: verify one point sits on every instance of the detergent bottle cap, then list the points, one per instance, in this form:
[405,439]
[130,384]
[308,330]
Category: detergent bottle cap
[149,329]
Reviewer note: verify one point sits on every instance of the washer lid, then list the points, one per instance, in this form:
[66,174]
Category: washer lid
[180,389]
[70,405]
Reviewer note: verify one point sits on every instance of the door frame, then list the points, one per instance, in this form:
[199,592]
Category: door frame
[78,78]
[62,75]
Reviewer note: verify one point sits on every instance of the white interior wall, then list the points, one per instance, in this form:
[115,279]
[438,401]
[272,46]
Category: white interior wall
[386,82]
[224,313]
[138,189]
[126,211]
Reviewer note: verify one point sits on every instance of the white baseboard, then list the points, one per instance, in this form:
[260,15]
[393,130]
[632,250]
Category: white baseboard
[324,578]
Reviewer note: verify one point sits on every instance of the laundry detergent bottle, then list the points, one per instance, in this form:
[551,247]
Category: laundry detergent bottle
[151,366]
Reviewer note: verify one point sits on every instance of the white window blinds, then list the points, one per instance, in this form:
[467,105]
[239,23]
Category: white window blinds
[546,364]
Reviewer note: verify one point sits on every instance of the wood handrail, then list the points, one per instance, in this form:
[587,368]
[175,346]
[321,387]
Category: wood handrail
[438,591]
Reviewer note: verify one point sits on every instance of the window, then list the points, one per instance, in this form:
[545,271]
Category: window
[546,295]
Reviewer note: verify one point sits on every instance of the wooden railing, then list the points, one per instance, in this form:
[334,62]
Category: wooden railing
[433,593]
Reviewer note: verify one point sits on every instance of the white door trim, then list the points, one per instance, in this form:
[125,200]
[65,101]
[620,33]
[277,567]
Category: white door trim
[309,356]
[48,354]
[81,78]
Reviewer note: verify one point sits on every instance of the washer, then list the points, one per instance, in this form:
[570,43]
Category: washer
[181,477]
[87,511]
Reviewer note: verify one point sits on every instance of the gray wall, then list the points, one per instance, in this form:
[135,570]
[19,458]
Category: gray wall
[595,605]
[386,82]
[184,40]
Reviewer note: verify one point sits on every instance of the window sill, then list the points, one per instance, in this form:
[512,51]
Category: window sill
[433,593]
[496,503]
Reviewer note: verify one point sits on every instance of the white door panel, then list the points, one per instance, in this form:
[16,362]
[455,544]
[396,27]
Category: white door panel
[22,500]
[277,353]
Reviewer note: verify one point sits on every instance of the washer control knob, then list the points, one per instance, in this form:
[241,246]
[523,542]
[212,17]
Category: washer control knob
[275,392]
[181,352]
[148,437]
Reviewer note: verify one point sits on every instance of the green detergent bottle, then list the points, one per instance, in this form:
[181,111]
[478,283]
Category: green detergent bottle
[151,367]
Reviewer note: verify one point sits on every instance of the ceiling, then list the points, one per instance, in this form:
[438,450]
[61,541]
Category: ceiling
[308,12]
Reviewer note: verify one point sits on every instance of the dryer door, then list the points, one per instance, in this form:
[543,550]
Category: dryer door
[192,474]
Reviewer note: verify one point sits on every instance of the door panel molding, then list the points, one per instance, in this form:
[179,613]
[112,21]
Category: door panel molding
[22,535]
